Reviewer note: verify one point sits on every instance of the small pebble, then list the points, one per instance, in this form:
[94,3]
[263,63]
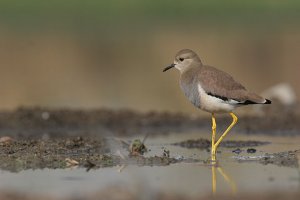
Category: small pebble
[166,153]
[45,115]
[179,157]
[237,151]
[6,140]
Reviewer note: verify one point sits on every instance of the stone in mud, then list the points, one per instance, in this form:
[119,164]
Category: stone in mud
[251,150]
[237,151]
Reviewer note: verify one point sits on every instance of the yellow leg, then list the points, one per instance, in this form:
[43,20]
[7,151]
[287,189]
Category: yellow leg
[213,136]
[214,180]
[234,121]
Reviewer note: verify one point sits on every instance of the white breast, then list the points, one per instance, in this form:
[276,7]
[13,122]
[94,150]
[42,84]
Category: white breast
[213,104]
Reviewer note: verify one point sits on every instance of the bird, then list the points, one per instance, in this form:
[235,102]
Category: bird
[212,90]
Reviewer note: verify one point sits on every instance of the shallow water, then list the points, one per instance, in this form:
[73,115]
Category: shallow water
[189,179]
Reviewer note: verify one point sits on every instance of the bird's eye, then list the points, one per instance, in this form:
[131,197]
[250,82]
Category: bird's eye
[181,59]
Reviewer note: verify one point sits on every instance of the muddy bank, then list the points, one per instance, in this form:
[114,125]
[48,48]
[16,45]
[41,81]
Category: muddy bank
[17,155]
[51,123]
[281,159]
[42,138]
[285,159]
[41,122]
[37,154]
[77,152]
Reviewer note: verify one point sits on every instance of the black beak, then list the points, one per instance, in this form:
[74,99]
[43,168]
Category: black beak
[169,67]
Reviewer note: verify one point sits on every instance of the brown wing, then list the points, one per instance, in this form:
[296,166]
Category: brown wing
[221,84]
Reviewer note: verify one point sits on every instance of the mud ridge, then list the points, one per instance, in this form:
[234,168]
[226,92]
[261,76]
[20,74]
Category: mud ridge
[27,122]
[206,144]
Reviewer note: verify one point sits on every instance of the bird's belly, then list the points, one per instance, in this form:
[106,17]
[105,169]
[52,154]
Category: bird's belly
[200,99]
[213,104]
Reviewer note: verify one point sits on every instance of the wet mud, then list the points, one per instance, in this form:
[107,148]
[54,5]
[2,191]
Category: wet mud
[65,153]
[35,138]
[285,159]
[38,138]
[96,153]
[206,144]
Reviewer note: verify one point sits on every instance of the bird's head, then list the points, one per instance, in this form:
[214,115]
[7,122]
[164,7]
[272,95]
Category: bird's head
[184,59]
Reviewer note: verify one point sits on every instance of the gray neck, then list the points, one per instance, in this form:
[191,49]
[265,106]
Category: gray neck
[195,65]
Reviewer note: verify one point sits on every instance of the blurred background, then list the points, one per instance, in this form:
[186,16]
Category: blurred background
[92,54]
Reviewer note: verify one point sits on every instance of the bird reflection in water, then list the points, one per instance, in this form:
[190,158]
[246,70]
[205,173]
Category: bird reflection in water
[217,168]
